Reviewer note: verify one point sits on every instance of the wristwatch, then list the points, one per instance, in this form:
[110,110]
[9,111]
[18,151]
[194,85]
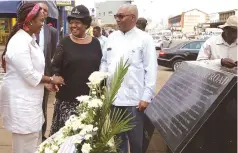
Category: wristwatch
[51,79]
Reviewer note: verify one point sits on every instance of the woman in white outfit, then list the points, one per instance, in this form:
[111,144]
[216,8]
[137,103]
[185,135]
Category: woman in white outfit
[22,90]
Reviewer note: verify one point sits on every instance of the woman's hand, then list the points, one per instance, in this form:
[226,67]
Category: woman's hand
[57,80]
[50,87]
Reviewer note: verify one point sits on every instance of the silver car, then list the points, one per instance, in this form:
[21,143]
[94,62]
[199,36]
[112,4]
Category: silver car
[162,42]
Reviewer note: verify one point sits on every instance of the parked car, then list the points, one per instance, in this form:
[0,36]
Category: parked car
[166,33]
[162,42]
[185,51]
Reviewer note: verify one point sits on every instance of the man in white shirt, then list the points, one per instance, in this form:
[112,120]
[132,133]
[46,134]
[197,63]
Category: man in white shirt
[137,89]
[221,50]
[97,33]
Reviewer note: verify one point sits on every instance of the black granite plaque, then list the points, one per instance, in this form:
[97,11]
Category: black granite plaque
[187,100]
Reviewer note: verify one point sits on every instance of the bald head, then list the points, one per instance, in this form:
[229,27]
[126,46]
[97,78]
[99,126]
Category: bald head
[126,17]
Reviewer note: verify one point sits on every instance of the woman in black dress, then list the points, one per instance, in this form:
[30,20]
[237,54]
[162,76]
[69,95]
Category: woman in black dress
[77,56]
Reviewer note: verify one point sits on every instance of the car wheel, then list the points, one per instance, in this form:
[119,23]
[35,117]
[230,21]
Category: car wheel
[176,64]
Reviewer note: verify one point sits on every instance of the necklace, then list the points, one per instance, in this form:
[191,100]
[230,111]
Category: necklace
[79,38]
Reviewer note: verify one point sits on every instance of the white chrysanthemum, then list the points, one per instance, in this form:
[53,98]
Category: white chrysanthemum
[48,150]
[83,115]
[66,129]
[86,148]
[89,85]
[88,136]
[94,103]
[95,129]
[68,123]
[54,148]
[59,138]
[102,97]
[77,125]
[73,117]
[83,132]
[83,98]
[89,128]
[96,77]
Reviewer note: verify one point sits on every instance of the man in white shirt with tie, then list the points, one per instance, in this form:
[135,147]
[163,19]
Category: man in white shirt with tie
[137,89]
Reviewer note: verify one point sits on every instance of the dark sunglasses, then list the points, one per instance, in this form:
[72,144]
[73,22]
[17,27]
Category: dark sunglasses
[121,16]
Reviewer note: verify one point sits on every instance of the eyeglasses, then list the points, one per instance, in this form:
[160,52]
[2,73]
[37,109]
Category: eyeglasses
[121,16]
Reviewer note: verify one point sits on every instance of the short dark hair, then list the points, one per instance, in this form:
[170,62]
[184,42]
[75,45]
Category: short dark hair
[97,28]
[86,20]
[142,22]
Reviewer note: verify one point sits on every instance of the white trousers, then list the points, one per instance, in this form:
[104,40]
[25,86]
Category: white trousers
[26,143]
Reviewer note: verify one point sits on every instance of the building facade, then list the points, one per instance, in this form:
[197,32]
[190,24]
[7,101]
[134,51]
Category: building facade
[105,11]
[176,23]
[214,17]
[192,18]
[187,21]
[223,16]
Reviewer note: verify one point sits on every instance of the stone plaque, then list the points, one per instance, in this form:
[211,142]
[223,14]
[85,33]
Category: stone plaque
[187,100]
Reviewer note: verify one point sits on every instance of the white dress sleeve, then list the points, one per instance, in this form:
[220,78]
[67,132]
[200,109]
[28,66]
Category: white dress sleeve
[21,60]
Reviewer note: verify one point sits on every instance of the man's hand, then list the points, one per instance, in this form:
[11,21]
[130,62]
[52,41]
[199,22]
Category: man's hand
[227,62]
[142,105]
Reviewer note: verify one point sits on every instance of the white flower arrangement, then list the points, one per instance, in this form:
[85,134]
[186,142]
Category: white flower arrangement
[91,130]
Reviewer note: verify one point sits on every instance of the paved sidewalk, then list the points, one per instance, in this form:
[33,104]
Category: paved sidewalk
[1,49]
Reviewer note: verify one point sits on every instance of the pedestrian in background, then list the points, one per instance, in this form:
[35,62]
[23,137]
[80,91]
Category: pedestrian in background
[141,24]
[97,33]
[22,90]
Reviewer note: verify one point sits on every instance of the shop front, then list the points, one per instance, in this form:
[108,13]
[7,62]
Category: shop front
[8,14]
[6,25]
[7,18]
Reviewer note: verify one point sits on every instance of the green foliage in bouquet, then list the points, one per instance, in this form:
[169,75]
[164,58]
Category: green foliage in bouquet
[94,126]
[112,121]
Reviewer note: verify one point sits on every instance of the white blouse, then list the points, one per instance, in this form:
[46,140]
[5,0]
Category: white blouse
[21,94]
